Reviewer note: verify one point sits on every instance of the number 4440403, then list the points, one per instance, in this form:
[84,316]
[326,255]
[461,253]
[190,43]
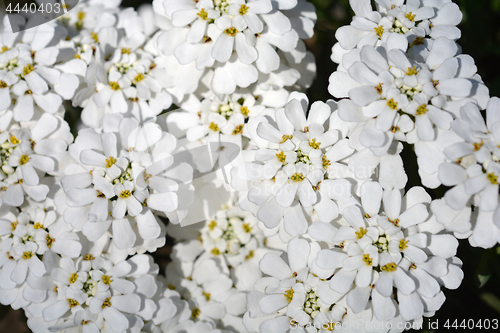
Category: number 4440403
[472,324]
[34,8]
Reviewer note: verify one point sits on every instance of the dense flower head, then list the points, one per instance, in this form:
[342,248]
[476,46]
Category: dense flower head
[239,39]
[192,132]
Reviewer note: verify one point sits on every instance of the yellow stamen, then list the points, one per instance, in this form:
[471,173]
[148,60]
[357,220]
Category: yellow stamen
[391,267]
[139,77]
[410,16]
[314,144]
[28,69]
[203,14]
[281,157]
[379,30]
[73,278]
[106,279]
[238,129]
[110,161]
[231,31]
[27,255]
[392,104]
[244,111]
[492,178]
[214,127]
[114,85]
[297,177]
[49,240]
[403,244]
[422,109]
[106,303]
[361,233]
[247,228]
[195,313]
[212,225]
[125,194]
[207,295]
[411,71]
[289,295]
[24,159]
[367,260]
[243,9]
[72,303]
[286,137]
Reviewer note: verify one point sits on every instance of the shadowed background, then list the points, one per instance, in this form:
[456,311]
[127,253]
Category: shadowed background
[478,297]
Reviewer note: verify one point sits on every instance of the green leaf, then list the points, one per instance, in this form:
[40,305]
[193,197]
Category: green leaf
[483,272]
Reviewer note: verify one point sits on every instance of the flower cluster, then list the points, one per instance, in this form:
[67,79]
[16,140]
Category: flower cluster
[194,132]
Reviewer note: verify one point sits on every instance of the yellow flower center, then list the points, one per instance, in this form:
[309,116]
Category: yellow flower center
[3,84]
[247,228]
[410,16]
[13,225]
[244,111]
[422,109]
[361,233]
[95,37]
[125,194]
[212,225]
[88,257]
[314,144]
[72,303]
[73,278]
[289,295]
[106,279]
[139,77]
[38,225]
[286,137]
[114,85]
[281,157]
[478,145]
[28,69]
[297,177]
[207,295]
[326,162]
[392,104]
[379,30]
[250,255]
[4,49]
[238,129]
[110,161]
[125,50]
[403,244]
[49,240]
[203,14]
[378,88]
[492,178]
[215,251]
[231,31]
[411,71]
[214,127]
[106,303]
[195,313]
[395,222]
[14,140]
[243,9]
[391,267]
[27,255]
[24,159]
[367,260]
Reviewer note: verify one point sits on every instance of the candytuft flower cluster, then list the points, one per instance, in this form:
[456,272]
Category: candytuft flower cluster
[285,213]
